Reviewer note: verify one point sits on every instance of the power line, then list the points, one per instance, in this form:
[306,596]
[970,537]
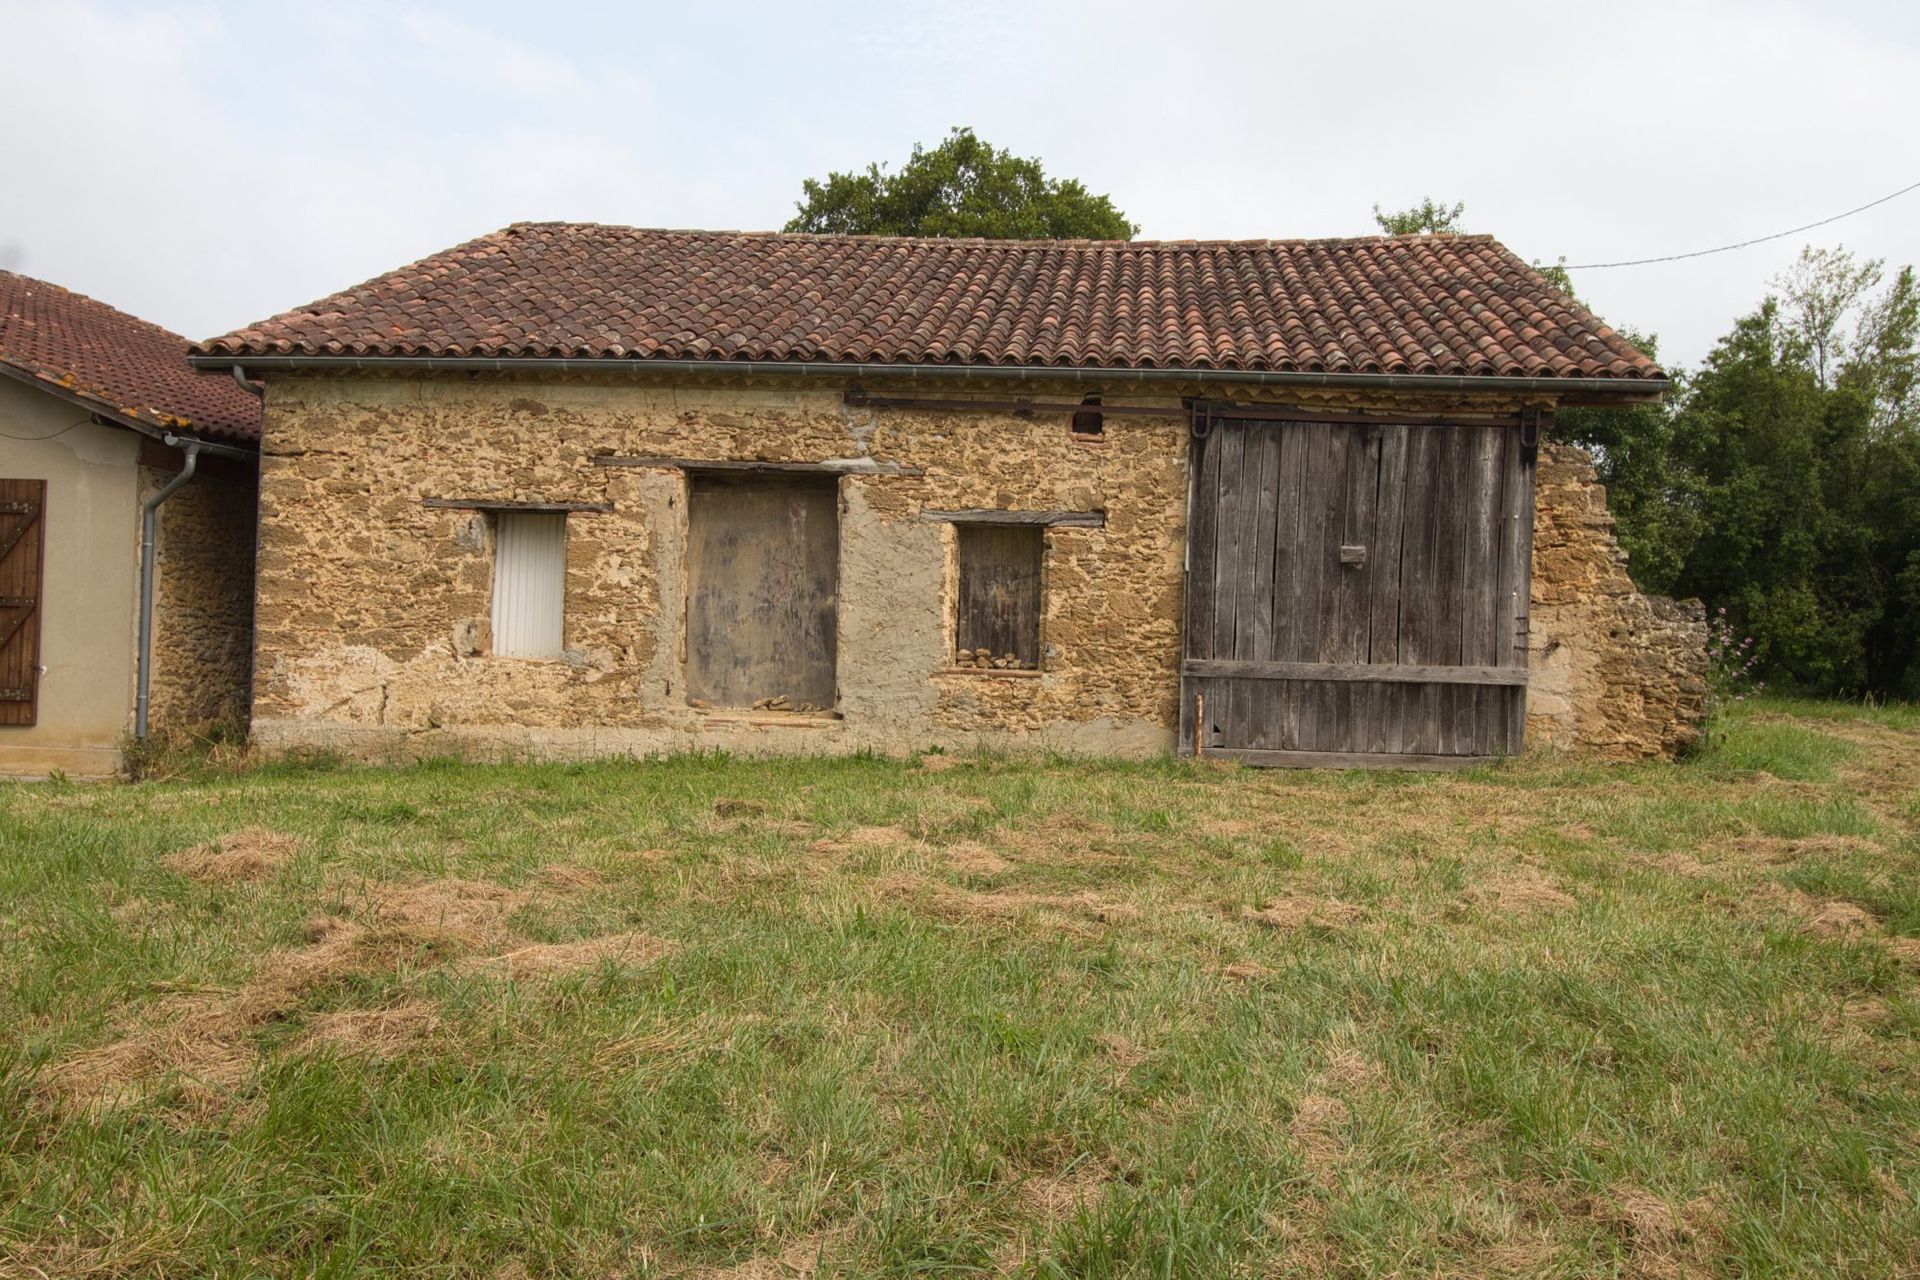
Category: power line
[1701,253]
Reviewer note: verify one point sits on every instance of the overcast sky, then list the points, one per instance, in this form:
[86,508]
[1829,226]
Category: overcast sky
[205,165]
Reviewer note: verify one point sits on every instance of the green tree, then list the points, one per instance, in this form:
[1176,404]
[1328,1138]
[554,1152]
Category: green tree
[1817,294]
[1804,450]
[1428,218]
[963,187]
[1652,492]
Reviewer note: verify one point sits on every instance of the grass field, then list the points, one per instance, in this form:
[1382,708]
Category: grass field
[862,1017]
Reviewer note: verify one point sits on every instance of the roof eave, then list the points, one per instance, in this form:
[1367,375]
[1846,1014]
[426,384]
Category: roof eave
[107,412]
[1572,391]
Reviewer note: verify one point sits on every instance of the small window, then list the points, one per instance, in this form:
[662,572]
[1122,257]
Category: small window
[529,583]
[998,625]
[1090,423]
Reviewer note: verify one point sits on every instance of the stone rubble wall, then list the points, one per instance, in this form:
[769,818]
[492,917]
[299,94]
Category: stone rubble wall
[373,611]
[1615,673]
[374,606]
[203,597]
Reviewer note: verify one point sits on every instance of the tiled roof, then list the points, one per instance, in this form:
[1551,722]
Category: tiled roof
[117,362]
[1448,305]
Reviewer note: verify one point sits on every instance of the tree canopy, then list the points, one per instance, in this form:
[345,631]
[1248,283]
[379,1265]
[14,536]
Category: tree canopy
[963,187]
[1426,218]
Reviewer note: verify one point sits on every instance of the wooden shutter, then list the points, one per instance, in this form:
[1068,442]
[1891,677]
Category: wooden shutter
[999,599]
[529,584]
[22,559]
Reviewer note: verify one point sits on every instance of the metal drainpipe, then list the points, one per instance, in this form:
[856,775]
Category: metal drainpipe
[149,524]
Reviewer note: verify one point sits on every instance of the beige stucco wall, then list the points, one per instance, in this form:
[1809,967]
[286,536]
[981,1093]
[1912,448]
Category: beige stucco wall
[373,606]
[89,591]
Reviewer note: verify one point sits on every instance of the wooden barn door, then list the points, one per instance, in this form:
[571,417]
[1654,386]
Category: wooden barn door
[1357,591]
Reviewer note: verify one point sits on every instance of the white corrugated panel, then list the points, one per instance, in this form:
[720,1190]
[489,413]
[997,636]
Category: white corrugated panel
[529,584]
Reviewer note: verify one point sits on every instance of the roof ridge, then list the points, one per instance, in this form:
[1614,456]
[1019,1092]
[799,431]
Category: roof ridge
[1267,242]
[95,302]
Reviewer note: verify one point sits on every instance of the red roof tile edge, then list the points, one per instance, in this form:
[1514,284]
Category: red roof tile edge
[124,367]
[1447,306]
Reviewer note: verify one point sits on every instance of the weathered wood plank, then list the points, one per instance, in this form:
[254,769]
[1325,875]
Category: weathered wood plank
[827,466]
[1449,545]
[1061,519]
[1231,445]
[1521,461]
[1346,640]
[1253,575]
[1264,460]
[1203,520]
[1386,555]
[490,504]
[1360,672]
[999,590]
[1284,631]
[1319,531]
[1346,759]
[762,568]
[1480,545]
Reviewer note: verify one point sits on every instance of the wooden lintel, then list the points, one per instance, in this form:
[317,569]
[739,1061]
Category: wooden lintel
[1219,413]
[1370,672]
[493,504]
[1344,759]
[1063,519]
[828,467]
[1019,406]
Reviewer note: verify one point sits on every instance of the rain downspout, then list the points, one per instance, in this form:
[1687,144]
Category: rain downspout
[149,523]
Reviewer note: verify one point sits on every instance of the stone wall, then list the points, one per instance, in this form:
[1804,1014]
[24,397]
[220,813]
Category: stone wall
[1614,673]
[374,605]
[203,596]
[375,594]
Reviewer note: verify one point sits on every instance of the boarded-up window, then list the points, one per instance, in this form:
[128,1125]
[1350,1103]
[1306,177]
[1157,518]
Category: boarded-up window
[22,546]
[763,557]
[529,584]
[999,598]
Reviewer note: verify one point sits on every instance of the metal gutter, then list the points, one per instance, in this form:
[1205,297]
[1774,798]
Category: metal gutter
[1609,387]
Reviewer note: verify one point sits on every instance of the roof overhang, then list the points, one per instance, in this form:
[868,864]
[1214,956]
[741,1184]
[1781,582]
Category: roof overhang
[113,416]
[1570,391]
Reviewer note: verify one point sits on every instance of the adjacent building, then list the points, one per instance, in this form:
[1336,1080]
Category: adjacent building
[127,492]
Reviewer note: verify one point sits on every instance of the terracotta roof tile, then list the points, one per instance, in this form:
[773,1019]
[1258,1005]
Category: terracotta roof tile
[118,362]
[1453,305]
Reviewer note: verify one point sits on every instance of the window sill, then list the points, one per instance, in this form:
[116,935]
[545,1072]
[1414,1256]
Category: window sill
[990,673]
[747,717]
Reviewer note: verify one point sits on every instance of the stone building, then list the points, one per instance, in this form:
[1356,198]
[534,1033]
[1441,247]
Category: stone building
[571,490]
[127,486]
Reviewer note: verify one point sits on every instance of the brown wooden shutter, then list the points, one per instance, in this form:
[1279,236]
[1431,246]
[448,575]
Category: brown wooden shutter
[999,600]
[22,555]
